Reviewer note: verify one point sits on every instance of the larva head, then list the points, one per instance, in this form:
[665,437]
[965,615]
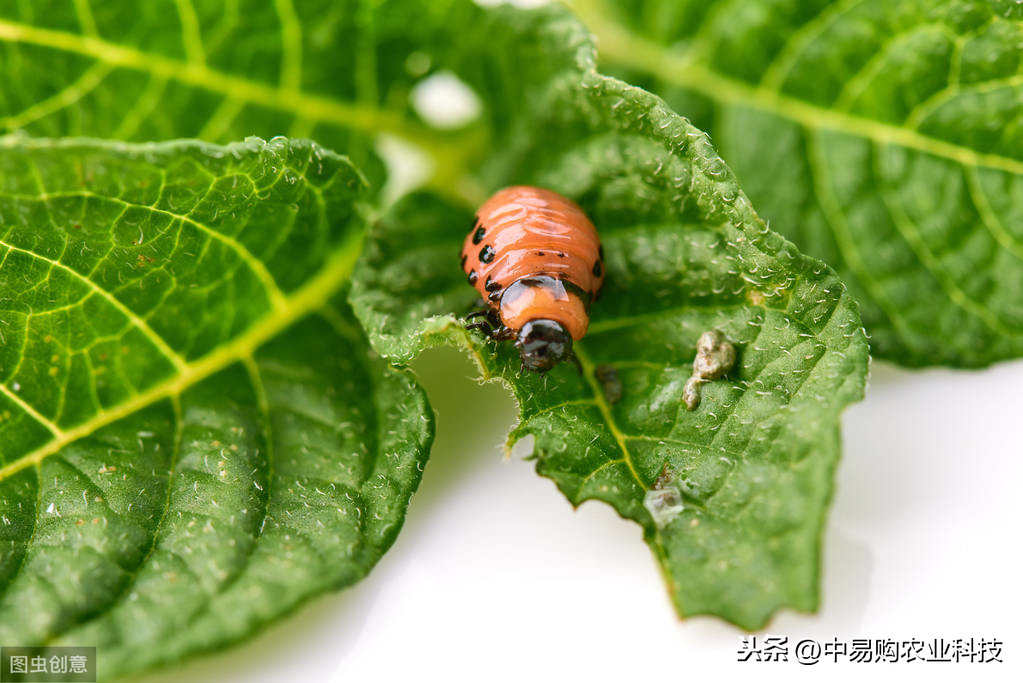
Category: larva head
[543,344]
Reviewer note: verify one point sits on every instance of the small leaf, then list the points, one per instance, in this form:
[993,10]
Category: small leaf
[882,137]
[193,438]
[685,254]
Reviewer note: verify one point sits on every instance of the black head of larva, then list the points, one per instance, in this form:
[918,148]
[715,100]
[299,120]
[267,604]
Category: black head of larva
[543,344]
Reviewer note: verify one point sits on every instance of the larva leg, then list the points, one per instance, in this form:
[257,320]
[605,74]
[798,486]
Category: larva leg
[503,333]
[482,327]
[575,359]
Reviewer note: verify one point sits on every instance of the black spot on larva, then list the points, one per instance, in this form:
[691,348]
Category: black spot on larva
[473,277]
[597,269]
[495,296]
[464,258]
[487,254]
[477,236]
[492,286]
[561,254]
[539,253]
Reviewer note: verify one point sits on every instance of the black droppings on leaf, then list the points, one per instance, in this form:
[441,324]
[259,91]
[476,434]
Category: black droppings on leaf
[611,383]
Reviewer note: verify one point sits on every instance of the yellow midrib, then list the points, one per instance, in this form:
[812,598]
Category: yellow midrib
[623,47]
[655,540]
[137,322]
[448,153]
[589,370]
[358,116]
[307,299]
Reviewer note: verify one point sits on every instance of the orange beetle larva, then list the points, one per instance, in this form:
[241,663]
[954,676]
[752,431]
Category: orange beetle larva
[536,260]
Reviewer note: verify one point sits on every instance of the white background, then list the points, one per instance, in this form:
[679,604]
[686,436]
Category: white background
[496,578]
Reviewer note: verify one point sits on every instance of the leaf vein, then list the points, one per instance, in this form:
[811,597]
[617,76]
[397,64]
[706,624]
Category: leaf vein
[72,93]
[930,262]
[313,295]
[158,341]
[191,36]
[988,216]
[632,50]
[291,45]
[835,218]
[358,116]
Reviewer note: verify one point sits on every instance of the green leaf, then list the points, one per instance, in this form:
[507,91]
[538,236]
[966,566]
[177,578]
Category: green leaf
[883,137]
[193,438]
[685,253]
[223,70]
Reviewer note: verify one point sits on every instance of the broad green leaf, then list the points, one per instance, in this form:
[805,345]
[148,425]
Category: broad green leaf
[220,70]
[883,137]
[193,438]
[689,253]
[686,253]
